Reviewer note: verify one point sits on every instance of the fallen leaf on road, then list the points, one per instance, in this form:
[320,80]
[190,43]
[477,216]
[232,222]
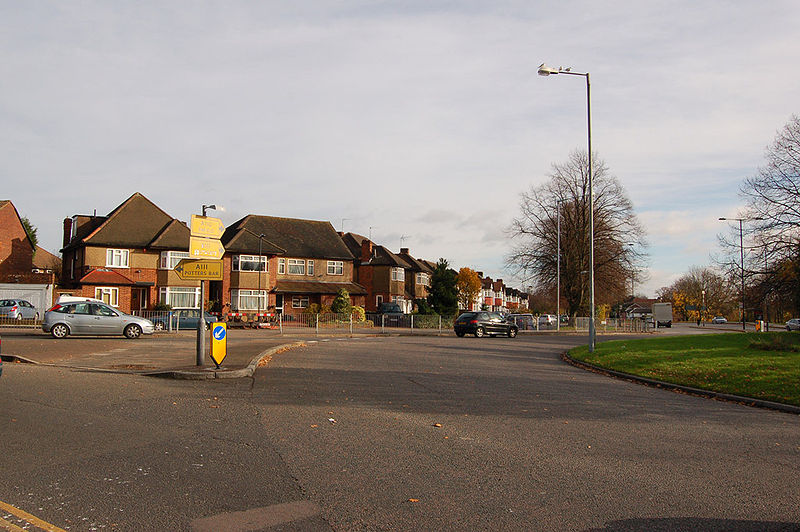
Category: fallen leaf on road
[331,420]
[413,500]
[437,425]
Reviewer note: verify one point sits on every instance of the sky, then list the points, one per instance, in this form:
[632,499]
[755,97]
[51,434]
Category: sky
[416,122]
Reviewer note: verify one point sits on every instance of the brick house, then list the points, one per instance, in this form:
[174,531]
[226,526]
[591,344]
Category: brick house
[127,257]
[19,275]
[305,263]
[418,279]
[380,271]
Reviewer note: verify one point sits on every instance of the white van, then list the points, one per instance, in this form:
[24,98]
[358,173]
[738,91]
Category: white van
[548,320]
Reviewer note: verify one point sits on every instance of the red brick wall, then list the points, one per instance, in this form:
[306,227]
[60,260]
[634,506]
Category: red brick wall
[16,253]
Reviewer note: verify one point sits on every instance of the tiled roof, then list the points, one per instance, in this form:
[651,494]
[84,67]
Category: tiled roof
[44,259]
[174,236]
[102,276]
[246,241]
[136,222]
[415,264]
[297,238]
[381,256]
[316,287]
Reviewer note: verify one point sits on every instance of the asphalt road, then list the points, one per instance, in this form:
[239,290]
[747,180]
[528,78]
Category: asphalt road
[428,433]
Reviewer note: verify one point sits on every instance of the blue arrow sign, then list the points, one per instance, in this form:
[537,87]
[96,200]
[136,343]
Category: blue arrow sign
[219,332]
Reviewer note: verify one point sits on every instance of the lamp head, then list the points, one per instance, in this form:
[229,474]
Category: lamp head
[545,70]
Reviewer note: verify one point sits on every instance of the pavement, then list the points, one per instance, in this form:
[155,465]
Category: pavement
[165,354]
[172,355]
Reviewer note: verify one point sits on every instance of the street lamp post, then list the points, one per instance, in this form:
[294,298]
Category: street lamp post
[558,265]
[703,309]
[545,70]
[741,257]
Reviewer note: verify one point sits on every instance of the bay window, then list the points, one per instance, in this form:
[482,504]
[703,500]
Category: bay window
[180,296]
[248,300]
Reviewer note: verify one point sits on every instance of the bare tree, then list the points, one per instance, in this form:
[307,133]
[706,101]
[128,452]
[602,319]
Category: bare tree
[771,241]
[619,237]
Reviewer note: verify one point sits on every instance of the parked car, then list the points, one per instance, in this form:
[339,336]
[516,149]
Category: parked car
[18,309]
[719,319]
[389,314]
[793,324]
[93,318]
[525,322]
[182,319]
[484,323]
[547,320]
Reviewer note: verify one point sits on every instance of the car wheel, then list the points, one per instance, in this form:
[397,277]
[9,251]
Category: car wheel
[59,330]
[132,331]
[19,317]
[460,334]
[36,317]
[159,325]
[479,332]
[512,333]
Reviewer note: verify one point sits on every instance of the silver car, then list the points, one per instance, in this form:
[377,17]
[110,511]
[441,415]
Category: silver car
[94,318]
[793,324]
[18,309]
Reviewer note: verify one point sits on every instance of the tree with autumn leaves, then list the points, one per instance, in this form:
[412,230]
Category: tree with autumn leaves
[469,287]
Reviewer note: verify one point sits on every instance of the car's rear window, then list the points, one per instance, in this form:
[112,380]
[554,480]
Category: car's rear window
[6,303]
[467,315]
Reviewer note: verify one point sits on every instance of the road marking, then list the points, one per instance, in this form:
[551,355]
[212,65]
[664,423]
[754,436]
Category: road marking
[257,518]
[32,519]
[5,525]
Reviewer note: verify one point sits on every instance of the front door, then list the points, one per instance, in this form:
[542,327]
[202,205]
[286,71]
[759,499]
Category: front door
[138,299]
[279,303]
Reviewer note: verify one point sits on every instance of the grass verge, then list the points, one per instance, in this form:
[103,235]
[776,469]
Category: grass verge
[759,365]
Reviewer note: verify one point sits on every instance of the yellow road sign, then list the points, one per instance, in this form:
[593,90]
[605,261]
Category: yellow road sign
[205,248]
[207,226]
[200,270]
[219,342]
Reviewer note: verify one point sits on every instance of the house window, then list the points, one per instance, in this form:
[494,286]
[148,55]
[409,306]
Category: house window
[310,267]
[281,266]
[108,295]
[299,301]
[397,299]
[297,267]
[398,274]
[170,259]
[378,300]
[248,300]
[423,279]
[117,258]
[180,296]
[335,267]
[249,263]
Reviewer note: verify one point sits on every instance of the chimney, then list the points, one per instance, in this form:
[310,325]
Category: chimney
[366,250]
[404,251]
[67,231]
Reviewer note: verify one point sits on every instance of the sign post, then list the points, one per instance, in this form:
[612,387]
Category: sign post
[219,342]
[204,243]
